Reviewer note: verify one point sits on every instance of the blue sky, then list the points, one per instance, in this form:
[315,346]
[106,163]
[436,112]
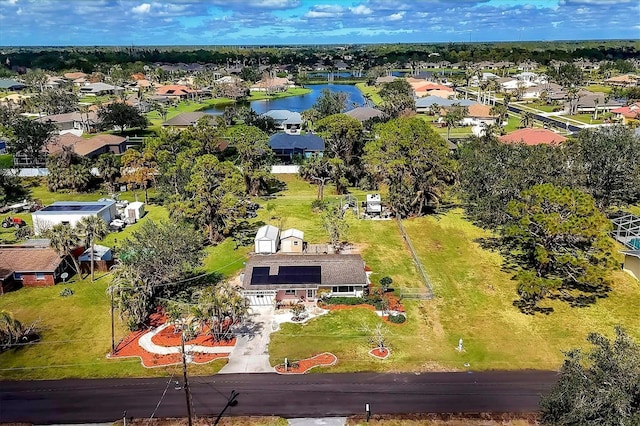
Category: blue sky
[211,22]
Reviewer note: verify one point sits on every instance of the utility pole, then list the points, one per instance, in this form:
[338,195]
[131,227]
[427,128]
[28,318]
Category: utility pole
[186,380]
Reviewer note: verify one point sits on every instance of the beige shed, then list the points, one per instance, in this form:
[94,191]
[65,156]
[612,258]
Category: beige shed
[291,241]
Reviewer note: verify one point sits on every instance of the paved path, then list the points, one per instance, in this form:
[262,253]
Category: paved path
[251,353]
[309,395]
[146,344]
[322,421]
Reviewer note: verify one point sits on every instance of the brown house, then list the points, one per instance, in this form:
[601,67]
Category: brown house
[30,266]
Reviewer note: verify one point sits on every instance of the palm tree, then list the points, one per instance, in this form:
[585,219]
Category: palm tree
[526,120]
[64,239]
[222,306]
[596,101]
[109,167]
[92,228]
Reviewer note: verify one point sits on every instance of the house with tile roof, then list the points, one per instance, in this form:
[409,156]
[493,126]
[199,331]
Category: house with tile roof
[175,91]
[531,136]
[89,147]
[627,113]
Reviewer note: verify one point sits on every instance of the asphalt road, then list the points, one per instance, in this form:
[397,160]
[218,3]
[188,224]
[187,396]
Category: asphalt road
[315,395]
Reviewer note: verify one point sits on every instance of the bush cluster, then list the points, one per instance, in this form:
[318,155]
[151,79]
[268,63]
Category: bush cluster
[397,318]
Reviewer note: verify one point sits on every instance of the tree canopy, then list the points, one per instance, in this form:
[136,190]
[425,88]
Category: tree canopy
[599,387]
[414,161]
[121,116]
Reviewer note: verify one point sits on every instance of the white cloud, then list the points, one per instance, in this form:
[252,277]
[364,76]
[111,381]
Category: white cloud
[395,16]
[142,8]
[361,10]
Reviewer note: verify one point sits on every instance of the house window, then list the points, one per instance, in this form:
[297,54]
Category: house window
[310,294]
[295,243]
[17,276]
[39,276]
[342,289]
[289,292]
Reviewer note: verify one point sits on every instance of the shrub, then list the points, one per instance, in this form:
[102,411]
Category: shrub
[318,205]
[397,318]
[66,292]
[344,300]
[386,282]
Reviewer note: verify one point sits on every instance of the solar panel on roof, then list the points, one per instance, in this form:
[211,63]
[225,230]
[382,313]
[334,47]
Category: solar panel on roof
[74,208]
[287,275]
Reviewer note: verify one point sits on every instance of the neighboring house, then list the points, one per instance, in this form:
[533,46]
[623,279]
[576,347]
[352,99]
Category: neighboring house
[71,76]
[91,147]
[285,278]
[626,80]
[385,79]
[29,265]
[70,213]
[586,103]
[267,239]
[11,85]
[187,119]
[479,114]
[423,105]
[627,113]
[363,114]
[632,263]
[100,89]
[102,259]
[530,136]
[288,121]
[286,146]
[272,85]
[175,91]
[291,241]
[72,121]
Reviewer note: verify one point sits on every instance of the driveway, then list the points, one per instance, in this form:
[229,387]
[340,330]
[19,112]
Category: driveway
[251,353]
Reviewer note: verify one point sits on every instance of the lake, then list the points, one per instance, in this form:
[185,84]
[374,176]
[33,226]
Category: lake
[302,102]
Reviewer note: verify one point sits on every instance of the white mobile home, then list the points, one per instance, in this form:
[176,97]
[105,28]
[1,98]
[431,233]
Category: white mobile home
[134,211]
[70,213]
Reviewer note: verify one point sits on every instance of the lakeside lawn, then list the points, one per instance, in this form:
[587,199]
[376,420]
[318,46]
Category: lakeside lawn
[370,92]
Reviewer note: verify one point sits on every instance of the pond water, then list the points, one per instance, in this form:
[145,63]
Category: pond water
[302,102]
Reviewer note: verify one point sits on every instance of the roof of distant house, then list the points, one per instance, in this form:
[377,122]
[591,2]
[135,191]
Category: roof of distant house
[11,84]
[284,115]
[364,113]
[281,269]
[187,119]
[308,142]
[82,146]
[99,87]
[74,75]
[630,111]
[530,136]
[174,89]
[427,101]
[24,259]
[90,117]
[479,110]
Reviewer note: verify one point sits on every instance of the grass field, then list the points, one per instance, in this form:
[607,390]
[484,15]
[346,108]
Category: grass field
[370,92]
[6,161]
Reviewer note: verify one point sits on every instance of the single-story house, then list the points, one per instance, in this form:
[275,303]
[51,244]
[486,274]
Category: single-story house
[586,103]
[627,113]
[102,259]
[286,146]
[100,89]
[272,85]
[30,265]
[632,263]
[363,114]
[531,136]
[479,114]
[385,79]
[175,91]
[288,279]
[291,241]
[423,105]
[267,239]
[89,147]
[288,121]
[71,212]
[187,119]
[625,80]
[72,121]
[11,85]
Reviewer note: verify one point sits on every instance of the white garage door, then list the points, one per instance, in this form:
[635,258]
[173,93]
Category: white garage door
[265,247]
[260,297]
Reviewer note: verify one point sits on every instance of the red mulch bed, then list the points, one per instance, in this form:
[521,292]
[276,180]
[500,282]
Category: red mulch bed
[129,347]
[343,307]
[169,337]
[381,353]
[300,367]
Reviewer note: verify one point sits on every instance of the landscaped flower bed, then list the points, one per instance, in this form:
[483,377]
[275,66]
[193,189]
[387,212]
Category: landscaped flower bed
[169,337]
[380,353]
[325,359]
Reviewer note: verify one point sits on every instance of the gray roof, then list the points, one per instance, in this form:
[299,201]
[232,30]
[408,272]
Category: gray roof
[284,116]
[427,101]
[335,269]
[11,84]
[306,142]
[364,113]
[186,119]
[100,253]
[99,87]
[268,232]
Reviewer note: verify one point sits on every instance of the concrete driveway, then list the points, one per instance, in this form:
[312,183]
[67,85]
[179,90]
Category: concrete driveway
[251,353]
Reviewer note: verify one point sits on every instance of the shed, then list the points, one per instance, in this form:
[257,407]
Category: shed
[134,211]
[291,241]
[374,204]
[102,256]
[632,263]
[267,239]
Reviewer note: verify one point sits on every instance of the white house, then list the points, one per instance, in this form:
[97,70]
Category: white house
[134,211]
[71,212]
[267,239]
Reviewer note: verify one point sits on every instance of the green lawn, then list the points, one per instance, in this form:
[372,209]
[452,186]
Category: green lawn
[586,118]
[598,88]
[542,106]
[370,92]
[6,161]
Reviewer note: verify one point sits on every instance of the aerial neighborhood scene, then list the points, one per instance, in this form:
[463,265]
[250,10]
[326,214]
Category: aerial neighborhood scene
[339,213]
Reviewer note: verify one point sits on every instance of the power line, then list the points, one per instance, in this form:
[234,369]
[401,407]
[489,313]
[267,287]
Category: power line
[161,397]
